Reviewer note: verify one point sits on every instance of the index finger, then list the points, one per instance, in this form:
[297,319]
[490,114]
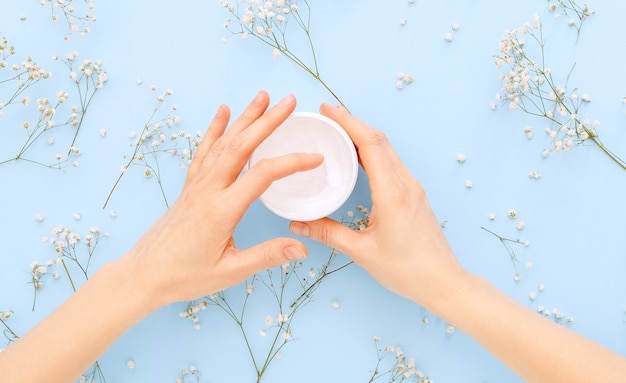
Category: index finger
[379,159]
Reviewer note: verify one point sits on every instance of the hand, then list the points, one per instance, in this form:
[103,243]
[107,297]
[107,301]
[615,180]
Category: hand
[403,247]
[190,251]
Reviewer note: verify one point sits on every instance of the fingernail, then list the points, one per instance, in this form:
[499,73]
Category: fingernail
[315,156]
[300,228]
[294,252]
[286,101]
[258,99]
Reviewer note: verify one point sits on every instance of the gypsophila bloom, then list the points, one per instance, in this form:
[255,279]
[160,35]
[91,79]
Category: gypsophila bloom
[335,304]
[39,218]
[450,329]
[529,132]
[460,158]
[492,216]
[130,364]
[512,214]
[403,79]
[448,37]
[528,265]
[469,184]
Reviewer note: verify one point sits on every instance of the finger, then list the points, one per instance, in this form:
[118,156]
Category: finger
[258,178]
[266,255]
[253,111]
[375,151]
[214,132]
[239,148]
[332,234]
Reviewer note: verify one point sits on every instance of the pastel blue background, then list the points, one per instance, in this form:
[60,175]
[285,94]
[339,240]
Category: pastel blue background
[574,214]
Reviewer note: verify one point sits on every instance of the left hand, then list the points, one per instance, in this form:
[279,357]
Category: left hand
[190,251]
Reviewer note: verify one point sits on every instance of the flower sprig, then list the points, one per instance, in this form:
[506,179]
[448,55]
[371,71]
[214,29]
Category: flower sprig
[156,139]
[88,78]
[76,23]
[52,113]
[508,245]
[529,86]
[576,14]
[79,249]
[39,272]
[268,21]
[93,375]
[20,76]
[191,373]
[402,369]
[9,334]
[292,286]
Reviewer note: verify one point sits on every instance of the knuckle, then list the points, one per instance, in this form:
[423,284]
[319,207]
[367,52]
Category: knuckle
[264,167]
[236,144]
[323,234]
[377,137]
[270,258]
[419,192]
[218,146]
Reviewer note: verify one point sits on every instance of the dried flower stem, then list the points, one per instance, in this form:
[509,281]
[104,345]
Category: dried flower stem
[506,242]
[279,285]
[10,335]
[402,369]
[575,13]
[91,78]
[154,141]
[268,23]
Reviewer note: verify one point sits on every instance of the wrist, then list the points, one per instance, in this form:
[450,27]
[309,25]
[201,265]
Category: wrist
[134,283]
[444,291]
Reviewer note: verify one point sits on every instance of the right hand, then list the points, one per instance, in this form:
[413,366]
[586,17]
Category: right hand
[403,248]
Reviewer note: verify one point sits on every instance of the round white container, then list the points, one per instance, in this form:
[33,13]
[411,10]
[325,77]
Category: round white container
[310,195]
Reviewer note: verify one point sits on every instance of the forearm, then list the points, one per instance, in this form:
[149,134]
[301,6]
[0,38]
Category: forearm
[68,341]
[537,349]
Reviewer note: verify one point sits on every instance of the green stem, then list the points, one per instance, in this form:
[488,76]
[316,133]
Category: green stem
[67,272]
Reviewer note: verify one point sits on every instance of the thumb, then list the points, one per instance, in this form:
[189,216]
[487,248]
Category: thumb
[328,232]
[272,253]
